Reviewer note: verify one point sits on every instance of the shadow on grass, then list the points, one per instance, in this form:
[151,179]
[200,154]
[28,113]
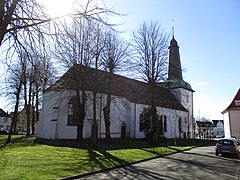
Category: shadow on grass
[17,140]
[105,159]
[112,144]
[98,156]
[116,144]
[2,145]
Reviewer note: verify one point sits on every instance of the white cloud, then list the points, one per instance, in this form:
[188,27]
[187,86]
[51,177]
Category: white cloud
[203,84]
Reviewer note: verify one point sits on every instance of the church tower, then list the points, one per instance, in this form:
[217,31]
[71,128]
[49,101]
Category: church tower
[174,69]
[180,88]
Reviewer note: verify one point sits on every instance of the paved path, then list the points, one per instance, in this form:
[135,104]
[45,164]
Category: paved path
[198,163]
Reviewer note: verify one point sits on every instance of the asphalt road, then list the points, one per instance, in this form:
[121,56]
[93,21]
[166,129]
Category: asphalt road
[197,163]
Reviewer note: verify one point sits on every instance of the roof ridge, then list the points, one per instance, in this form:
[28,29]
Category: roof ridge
[232,104]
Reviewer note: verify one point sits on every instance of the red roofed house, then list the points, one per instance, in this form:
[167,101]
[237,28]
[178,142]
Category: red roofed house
[231,116]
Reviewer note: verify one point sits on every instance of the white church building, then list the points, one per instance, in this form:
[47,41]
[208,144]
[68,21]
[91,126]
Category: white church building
[174,104]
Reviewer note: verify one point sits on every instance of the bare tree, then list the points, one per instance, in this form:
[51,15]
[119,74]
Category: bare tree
[24,15]
[150,59]
[114,57]
[74,47]
[13,90]
[97,49]
[27,72]
[24,21]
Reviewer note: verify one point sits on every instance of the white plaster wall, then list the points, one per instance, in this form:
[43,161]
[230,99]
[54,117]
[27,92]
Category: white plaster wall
[139,109]
[133,120]
[186,98]
[227,130]
[235,122]
[219,129]
[54,114]
[187,102]
[120,113]
[53,117]
[172,121]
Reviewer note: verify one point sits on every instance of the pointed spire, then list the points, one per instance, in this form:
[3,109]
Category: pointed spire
[174,68]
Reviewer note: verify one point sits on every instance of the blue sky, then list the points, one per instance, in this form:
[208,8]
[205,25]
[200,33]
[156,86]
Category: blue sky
[208,34]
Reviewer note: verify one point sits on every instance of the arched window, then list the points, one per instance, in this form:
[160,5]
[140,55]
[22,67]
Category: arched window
[187,98]
[163,121]
[180,125]
[72,121]
[145,122]
[123,130]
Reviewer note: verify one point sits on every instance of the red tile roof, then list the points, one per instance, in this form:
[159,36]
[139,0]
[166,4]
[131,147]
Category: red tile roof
[233,104]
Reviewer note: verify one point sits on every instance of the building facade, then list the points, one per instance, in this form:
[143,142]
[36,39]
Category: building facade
[231,117]
[218,128]
[5,120]
[174,102]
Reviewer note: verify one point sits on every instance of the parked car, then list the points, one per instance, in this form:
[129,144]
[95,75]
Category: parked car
[227,146]
[238,140]
[219,136]
[3,131]
[22,132]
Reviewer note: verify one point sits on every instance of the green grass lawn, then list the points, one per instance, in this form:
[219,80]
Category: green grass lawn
[25,159]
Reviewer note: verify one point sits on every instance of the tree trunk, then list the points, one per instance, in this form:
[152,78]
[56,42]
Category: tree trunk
[156,128]
[94,126]
[33,114]
[28,109]
[25,98]
[106,114]
[15,114]
[107,108]
[154,117]
[37,104]
[80,113]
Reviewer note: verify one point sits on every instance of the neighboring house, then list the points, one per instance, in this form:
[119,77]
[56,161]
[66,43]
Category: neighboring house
[174,104]
[205,129]
[218,128]
[231,117]
[5,120]
[22,120]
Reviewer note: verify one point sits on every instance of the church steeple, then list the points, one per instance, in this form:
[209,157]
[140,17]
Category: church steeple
[174,67]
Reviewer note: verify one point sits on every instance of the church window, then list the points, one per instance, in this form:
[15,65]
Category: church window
[180,125]
[161,124]
[187,98]
[145,122]
[165,123]
[5,119]
[142,122]
[70,109]
[72,121]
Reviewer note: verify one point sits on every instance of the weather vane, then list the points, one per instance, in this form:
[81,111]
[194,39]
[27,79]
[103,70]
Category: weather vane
[172,27]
